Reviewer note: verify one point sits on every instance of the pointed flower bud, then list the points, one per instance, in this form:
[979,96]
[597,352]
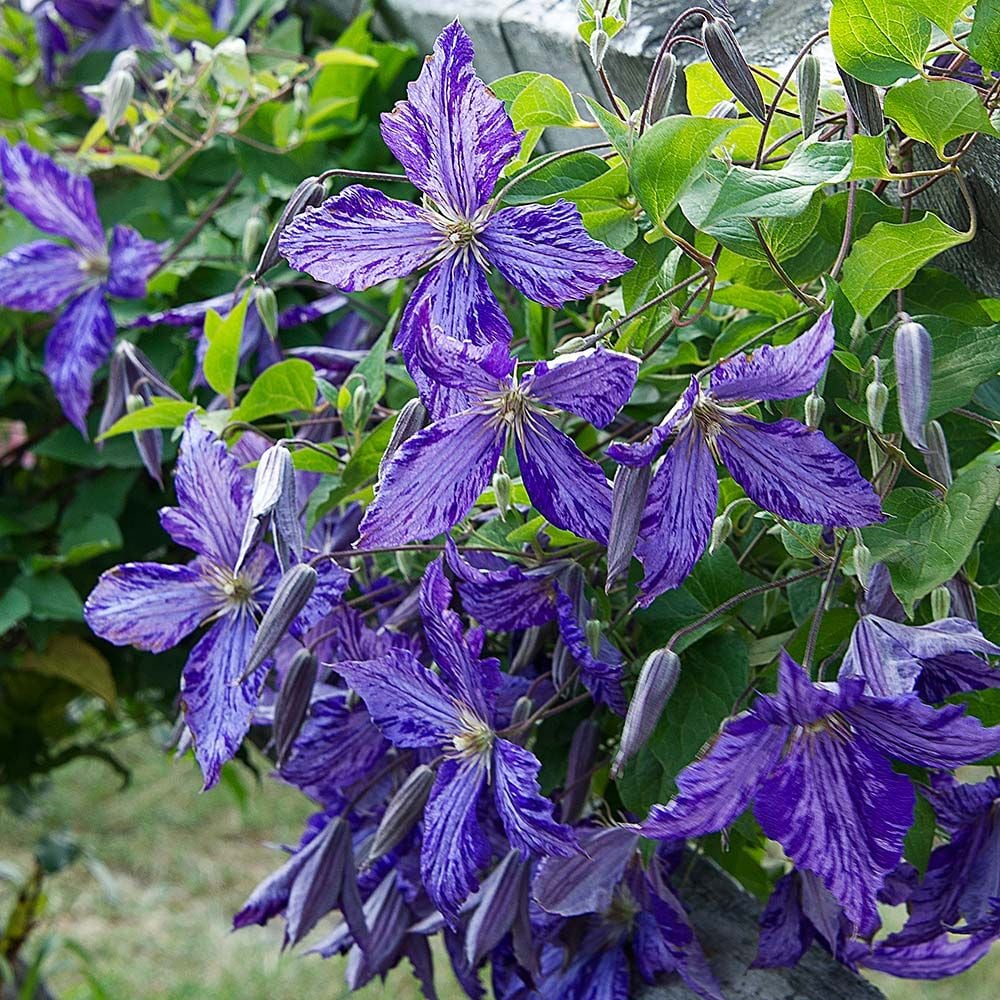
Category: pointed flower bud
[293,591]
[724,109]
[628,500]
[502,487]
[579,767]
[504,894]
[274,503]
[877,398]
[119,88]
[863,562]
[722,528]
[940,603]
[657,681]
[571,346]
[865,103]
[599,41]
[936,454]
[661,90]
[592,630]
[807,82]
[522,710]
[134,402]
[528,648]
[913,351]
[309,193]
[253,233]
[815,407]
[403,811]
[292,706]
[723,51]
[266,303]
[409,420]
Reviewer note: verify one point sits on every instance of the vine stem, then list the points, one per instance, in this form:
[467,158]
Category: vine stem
[824,596]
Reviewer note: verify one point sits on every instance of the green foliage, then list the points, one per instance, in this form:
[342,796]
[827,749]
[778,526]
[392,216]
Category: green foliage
[879,41]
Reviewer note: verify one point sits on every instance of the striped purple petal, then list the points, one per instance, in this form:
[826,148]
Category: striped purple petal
[132,261]
[39,276]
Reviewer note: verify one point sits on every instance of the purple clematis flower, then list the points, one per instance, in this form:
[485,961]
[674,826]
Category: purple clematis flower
[434,479]
[41,275]
[784,467]
[154,606]
[453,138]
[113,25]
[815,760]
[454,713]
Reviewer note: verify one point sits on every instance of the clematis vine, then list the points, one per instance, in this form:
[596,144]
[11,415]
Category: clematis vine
[784,467]
[453,712]
[453,138]
[42,275]
[435,477]
[815,761]
[154,606]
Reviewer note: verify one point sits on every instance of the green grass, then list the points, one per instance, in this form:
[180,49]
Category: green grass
[154,923]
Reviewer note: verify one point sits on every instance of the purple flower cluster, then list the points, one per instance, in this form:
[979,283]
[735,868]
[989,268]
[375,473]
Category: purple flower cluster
[434,812]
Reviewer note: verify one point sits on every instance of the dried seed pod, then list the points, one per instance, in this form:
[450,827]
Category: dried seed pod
[293,591]
[657,681]
[661,90]
[723,50]
[292,705]
[936,454]
[402,812]
[309,193]
[411,418]
[628,500]
[807,82]
[865,103]
[913,351]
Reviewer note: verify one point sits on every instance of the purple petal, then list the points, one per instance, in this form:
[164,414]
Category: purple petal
[452,136]
[785,932]
[217,705]
[677,521]
[474,681]
[593,384]
[359,238]
[841,812]
[478,370]
[909,730]
[308,312]
[503,898]
[939,958]
[959,804]
[713,791]
[408,702]
[797,473]
[545,252]
[213,497]
[601,674]
[149,605]
[454,848]
[585,882]
[799,702]
[133,260]
[777,372]
[39,276]
[645,452]
[432,482]
[525,813]
[568,488]
[50,197]
[77,346]
[188,313]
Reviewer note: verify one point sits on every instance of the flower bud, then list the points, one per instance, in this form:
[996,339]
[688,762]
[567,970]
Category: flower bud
[527,650]
[940,603]
[807,81]
[292,705]
[503,895]
[502,487]
[661,90]
[913,351]
[724,109]
[266,303]
[563,664]
[361,405]
[599,41]
[592,630]
[815,407]
[628,500]
[253,232]
[410,419]
[403,811]
[936,455]
[571,346]
[521,711]
[723,51]
[865,103]
[119,89]
[310,192]
[134,402]
[862,562]
[579,766]
[963,599]
[722,528]
[274,502]
[877,398]
[300,97]
[293,591]
[657,681]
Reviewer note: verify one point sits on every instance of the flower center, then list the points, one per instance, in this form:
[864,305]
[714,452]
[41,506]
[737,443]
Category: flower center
[459,231]
[236,588]
[95,264]
[474,738]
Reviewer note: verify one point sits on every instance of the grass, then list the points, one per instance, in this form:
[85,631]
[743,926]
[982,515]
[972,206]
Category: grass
[148,915]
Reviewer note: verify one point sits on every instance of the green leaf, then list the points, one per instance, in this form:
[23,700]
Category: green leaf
[286,387]
[668,158]
[943,13]
[984,39]
[619,133]
[889,257]
[879,41]
[222,359]
[927,539]
[920,838]
[554,179]
[52,597]
[160,413]
[14,607]
[372,365]
[869,158]
[72,659]
[937,111]
[537,100]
